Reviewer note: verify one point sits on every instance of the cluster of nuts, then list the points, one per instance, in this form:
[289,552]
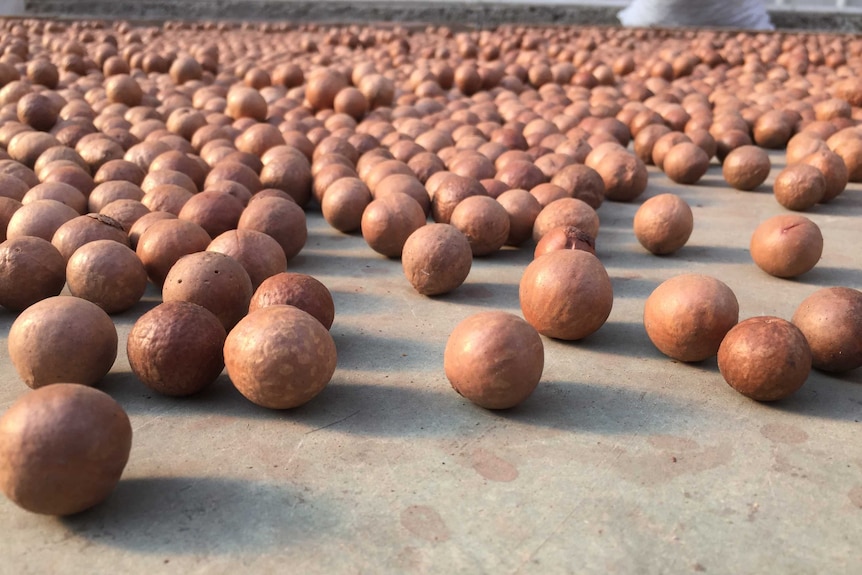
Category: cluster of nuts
[175,156]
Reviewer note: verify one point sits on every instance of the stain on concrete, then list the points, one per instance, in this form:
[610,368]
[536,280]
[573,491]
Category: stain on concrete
[686,457]
[855,496]
[782,433]
[423,521]
[491,467]
[672,443]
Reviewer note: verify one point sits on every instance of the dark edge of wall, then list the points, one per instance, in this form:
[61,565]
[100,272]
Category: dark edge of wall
[475,15]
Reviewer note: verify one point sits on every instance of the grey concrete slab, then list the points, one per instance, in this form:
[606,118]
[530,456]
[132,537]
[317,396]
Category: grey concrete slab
[622,461]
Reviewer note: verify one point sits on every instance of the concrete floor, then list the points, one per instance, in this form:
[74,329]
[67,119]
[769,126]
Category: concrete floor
[623,461]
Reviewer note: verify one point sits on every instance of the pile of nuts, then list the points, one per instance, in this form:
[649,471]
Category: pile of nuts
[186,156]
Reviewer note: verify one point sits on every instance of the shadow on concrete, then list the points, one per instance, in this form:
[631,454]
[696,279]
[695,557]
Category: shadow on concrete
[368,351]
[828,276]
[616,338]
[637,257]
[846,204]
[485,294]
[597,408]
[828,397]
[632,286]
[203,515]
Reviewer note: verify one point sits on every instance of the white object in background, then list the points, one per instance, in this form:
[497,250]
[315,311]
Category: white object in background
[11,7]
[747,14]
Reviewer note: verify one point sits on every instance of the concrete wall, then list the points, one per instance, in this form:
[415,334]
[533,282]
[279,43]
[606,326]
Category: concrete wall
[475,13]
[11,7]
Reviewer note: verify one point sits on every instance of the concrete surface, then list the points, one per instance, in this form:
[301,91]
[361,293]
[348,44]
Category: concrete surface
[477,14]
[623,461]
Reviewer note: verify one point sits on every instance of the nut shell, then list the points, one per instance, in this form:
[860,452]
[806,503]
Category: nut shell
[687,316]
[494,359]
[298,290]
[764,358]
[831,320]
[566,294]
[63,449]
[280,357]
[787,245]
[436,259]
[31,269]
[663,224]
[45,342]
[176,348]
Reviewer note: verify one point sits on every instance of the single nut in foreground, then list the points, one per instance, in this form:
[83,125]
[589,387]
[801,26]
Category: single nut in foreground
[746,167]
[494,359]
[831,320]
[176,348]
[566,294]
[787,245]
[279,357]
[764,358]
[436,259]
[799,187]
[63,448]
[62,339]
[687,316]
[663,224]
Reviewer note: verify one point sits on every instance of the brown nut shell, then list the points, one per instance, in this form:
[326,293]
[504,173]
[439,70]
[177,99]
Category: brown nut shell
[280,357]
[388,222]
[63,449]
[831,319]
[31,269]
[494,359]
[107,273]
[799,187]
[45,342]
[176,348]
[663,224]
[565,238]
[485,223]
[746,167]
[298,290]
[212,280]
[687,316]
[787,245]
[764,358]
[436,259]
[566,294]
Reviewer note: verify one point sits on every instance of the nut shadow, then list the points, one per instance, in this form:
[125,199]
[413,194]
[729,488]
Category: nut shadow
[362,350]
[197,515]
[355,264]
[614,338]
[484,294]
[635,256]
[827,397]
[828,276]
[596,408]
[221,398]
[632,286]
